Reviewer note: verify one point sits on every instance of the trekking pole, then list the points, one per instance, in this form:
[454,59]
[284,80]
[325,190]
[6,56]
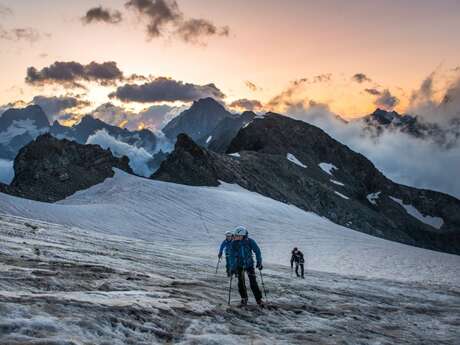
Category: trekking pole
[230,289]
[217,267]
[263,285]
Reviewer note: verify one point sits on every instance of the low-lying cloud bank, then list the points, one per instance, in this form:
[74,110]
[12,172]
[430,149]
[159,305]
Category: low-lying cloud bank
[139,158]
[6,171]
[417,162]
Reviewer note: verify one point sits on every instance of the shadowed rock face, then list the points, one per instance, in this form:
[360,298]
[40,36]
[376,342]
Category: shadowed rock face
[342,195]
[198,121]
[221,136]
[49,169]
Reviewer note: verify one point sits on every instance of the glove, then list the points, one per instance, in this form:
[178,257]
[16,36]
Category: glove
[233,272]
[219,256]
[260,267]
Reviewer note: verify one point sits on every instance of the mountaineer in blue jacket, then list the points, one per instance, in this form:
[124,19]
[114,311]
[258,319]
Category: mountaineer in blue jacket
[224,248]
[241,259]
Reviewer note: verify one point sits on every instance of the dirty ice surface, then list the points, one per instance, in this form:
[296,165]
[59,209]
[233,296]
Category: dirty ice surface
[62,285]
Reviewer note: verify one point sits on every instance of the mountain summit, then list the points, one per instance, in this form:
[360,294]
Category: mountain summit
[198,121]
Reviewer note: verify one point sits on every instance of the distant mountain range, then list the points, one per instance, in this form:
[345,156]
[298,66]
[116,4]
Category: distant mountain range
[381,120]
[274,155]
[18,127]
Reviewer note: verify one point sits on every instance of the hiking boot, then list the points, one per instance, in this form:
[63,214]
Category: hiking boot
[244,302]
[303,277]
[260,303]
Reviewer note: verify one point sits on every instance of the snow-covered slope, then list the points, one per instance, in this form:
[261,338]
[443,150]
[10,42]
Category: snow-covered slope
[195,218]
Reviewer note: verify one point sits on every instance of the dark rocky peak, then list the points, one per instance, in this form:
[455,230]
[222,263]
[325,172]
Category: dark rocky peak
[208,104]
[188,164]
[248,115]
[198,121]
[49,169]
[32,112]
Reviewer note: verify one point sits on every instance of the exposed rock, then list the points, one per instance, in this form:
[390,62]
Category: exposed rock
[49,169]
[20,126]
[339,194]
[381,120]
[221,136]
[198,121]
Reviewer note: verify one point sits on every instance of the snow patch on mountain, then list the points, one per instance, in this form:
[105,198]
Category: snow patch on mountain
[139,158]
[435,222]
[341,195]
[235,154]
[294,160]
[327,167]
[6,171]
[373,197]
[209,139]
[337,182]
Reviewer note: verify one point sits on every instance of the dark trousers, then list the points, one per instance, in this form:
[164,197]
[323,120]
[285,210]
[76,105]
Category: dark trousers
[297,264]
[227,265]
[252,282]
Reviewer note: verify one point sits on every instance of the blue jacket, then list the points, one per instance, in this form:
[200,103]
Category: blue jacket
[224,247]
[240,254]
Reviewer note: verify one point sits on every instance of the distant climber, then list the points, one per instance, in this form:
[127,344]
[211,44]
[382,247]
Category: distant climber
[297,257]
[224,248]
[241,260]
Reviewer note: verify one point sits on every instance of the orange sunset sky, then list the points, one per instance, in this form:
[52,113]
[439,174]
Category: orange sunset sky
[302,50]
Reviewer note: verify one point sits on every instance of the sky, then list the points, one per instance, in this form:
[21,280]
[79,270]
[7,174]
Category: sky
[352,56]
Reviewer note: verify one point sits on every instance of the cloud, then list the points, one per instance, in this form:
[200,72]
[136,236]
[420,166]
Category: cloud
[20,34]
[286,97]
[6,171]
[100,14]
[5,11]
[251,86]
[54,106]
[139,158]
[386,100]
[192,30]
[373,92]
[361,78]
[441,105]
[15,104]
[322,78]
[417,162]
[246,104]
[153,117]
[165,18]
[72,73]
[165,90]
